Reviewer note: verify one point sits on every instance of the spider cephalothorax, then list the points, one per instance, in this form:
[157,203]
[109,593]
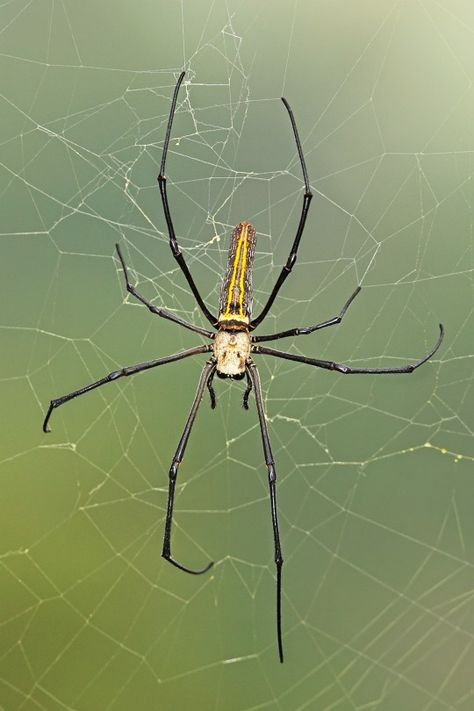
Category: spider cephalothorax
[233,344]
[232,352]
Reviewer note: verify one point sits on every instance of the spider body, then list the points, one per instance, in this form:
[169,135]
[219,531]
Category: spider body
[232,345]
[235,303]
[232,342]
[232,352]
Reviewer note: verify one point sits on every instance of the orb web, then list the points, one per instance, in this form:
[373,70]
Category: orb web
[374,485]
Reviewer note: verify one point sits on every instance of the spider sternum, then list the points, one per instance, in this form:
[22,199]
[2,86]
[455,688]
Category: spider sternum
[232,351]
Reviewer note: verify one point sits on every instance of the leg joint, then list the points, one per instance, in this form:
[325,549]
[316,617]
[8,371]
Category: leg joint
[173,472]
[271,472]
[290,262]
[175,247]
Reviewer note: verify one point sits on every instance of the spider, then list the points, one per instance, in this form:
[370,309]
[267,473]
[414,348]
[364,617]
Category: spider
[233,345]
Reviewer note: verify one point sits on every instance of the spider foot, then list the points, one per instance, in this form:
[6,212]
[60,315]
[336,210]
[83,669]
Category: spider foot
[46,427]
[199,571]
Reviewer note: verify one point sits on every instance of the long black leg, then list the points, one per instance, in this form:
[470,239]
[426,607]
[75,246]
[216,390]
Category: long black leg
[307,197]
[309,329]
[177,254]
[154,309]
[129,370]
[207,372]
[269,461]
[347,369]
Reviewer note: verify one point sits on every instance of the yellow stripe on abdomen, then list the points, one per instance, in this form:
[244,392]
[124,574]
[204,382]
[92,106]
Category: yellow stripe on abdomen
[236,293]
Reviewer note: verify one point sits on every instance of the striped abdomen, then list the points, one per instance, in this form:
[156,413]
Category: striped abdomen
[235,303]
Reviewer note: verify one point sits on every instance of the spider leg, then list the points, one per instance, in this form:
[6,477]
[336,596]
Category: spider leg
[269,461]
[129,370]
[212,393]
[307,197]
[309,329]
[154,309]
[347,369]
[177,254]
[207,373]
[245,399]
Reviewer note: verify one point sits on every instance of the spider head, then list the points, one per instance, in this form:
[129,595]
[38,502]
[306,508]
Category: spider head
[231,351]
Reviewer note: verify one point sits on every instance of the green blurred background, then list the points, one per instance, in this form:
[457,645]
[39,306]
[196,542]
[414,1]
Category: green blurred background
[375,473]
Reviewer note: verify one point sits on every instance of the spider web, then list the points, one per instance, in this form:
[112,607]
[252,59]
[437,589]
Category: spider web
[375,473]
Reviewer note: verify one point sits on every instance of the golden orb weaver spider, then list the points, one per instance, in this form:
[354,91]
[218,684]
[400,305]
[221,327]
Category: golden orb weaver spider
[233,345]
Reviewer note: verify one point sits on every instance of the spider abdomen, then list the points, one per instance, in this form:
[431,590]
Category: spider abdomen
[235,303]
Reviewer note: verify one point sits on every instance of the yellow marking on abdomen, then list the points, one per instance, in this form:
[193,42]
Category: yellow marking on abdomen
[240,260]
[235,300]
